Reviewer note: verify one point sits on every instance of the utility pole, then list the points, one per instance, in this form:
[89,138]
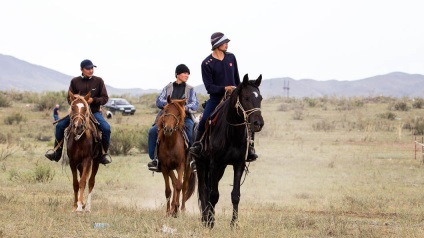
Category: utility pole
[286,88]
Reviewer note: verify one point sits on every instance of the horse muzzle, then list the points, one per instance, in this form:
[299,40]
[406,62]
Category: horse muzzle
[257,123]
[167,131]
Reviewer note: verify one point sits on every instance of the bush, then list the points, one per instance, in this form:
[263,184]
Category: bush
[4,101]
[142,139]
[17,117]
[48,100]
[401,106]
[122,141]
[387,115]
[418,103]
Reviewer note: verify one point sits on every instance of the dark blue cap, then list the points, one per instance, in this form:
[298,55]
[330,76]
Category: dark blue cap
[85,64]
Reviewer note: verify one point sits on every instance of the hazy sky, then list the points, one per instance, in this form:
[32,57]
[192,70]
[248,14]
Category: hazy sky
[139,43]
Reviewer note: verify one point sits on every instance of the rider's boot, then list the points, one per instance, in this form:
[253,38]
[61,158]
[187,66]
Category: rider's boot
[104,158]
[55,154]
[251,155]
[193,164]
[196,148]
[154,165]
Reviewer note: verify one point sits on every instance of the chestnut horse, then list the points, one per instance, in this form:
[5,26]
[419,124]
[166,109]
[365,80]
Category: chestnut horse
[226,143]
[172,155]
[81,147]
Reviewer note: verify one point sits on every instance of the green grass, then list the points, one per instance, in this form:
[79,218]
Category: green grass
[339,170]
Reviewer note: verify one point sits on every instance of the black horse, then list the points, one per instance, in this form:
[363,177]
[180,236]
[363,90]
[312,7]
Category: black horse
[225,143]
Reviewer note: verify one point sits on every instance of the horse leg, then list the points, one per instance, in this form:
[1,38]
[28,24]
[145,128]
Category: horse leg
[165,174]
[86,172]
[91,183]
[177,184]
[75,185]
[186,178]
[235,194]
[216,174]
[203,187]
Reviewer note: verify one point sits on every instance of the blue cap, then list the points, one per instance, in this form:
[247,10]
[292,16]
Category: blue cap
[87,64]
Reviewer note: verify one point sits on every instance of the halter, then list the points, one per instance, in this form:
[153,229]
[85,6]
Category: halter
[176,118]
[246,114]
[81,116]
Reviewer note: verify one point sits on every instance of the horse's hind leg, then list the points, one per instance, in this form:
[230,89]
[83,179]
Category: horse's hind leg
[91,183]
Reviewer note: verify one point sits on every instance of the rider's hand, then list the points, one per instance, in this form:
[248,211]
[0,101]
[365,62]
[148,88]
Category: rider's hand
[229,88]
[90,100]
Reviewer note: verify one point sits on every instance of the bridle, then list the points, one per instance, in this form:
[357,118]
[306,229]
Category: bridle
[246,114]
[74,117]
[176,127]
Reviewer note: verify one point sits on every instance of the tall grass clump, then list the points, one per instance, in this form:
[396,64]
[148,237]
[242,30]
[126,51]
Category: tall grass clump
[40,174]
[142,139]
[4,101]
[48,100]
[15,117]
[122,141]
[418,103]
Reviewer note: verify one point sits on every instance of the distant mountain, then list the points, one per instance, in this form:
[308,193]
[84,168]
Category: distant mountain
[19,75]
[16,74]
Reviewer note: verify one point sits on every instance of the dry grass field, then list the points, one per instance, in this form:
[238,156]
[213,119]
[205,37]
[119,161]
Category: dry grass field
[328,167]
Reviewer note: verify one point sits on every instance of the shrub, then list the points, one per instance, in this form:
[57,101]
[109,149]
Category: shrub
[4,101]
[17,117]
[401,106]
[122,142]
[387,115]
[418,103]
[324,126]
[142,139]
[48,100]
[42,174]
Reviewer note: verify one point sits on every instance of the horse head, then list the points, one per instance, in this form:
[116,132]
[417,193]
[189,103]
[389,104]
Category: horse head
[79,113]
[173,114]
[247,100]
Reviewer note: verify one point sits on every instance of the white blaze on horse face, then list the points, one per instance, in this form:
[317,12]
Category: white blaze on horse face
[80,105]
[256,94]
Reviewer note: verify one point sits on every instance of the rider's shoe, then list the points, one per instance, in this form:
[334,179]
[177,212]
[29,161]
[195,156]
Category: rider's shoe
[54,155]
[105,159]
[154,165]
[251,155]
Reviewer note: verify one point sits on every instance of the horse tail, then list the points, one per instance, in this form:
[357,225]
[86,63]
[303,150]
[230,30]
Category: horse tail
[191,182]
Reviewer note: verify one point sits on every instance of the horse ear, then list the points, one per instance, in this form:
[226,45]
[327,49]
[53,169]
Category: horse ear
[245,79]
[258,81]
[168,99]
[71,95]
[87,96]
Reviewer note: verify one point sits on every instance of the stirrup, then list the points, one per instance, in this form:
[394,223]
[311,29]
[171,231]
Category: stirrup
[103,157]
[196,146]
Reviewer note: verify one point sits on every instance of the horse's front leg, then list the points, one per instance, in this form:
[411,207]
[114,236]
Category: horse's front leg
[216,173]
[165,174]
[235,194]
[85,175]
[178,185]
[75,185]
[203,188]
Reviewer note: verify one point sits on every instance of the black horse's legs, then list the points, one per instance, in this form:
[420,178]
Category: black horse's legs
[235,194]
[203,188]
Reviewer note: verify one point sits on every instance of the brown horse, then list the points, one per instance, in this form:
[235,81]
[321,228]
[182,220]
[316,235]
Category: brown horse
[80,137]
[173,156]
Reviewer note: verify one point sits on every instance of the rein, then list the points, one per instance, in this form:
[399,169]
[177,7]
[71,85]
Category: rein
[176,118]
[246,114]
[81,116]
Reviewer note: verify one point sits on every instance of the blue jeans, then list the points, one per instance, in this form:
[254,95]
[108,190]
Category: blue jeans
[153,136]
[211,104]
[104,127]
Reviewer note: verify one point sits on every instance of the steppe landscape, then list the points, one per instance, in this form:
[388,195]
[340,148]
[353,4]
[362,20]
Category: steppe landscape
[328,167]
